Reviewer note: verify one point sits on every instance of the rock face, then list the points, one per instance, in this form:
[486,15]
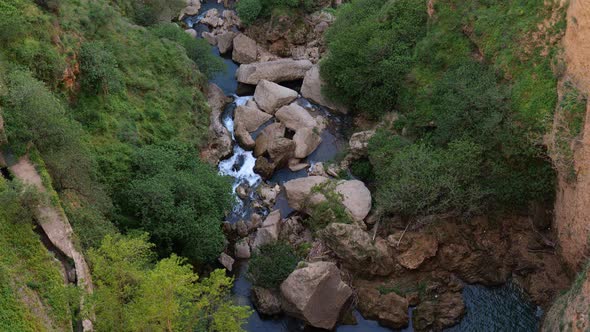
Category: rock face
[316,294]
[266,301]
[250,117]
[220,142]
[299,192]
[356,198]
[415,248]
[271,96]
[355,248]
[306,141]
[435,315]
[390,310]
[225,41]
[312,89]
[274,71]
[295,117]
[245,49]
[269,232]
[267,136]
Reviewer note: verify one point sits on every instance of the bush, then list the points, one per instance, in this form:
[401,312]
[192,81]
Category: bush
[370,52]
[329,211]
[272,264]
[99,69]
[249,10]
[179,200]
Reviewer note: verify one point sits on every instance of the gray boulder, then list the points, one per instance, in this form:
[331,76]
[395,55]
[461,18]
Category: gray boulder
[270,230]
[271,96]
[225,41]
[312,89]
[245,49]
[306,141]
[295,117]
[274,71]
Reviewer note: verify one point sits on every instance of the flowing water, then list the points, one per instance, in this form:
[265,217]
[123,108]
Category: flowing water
[503,308]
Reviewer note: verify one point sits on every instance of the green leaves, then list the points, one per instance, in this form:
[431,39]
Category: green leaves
[272,264]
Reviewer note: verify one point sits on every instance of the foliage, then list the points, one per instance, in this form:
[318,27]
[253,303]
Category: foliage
[272,264]
[329,211]
[179,200]
[197,49]
[135,294]
[98,68]
[150,12]
[250,10]
[370,51]
[28,270]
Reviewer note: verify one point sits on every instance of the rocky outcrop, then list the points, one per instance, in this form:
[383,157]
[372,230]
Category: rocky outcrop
[220,141]
[356,250]
[269,232]
[295,117]
[212,19]
[225,41]
[274,71]
[266,301]
[443,311]
[245,50]
[390,309]
[414,249]
[316,294]
[271,96]
[306,141]
[312,90]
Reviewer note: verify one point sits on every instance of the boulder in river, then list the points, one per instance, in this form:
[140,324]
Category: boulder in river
[245,49]
[390,309]
[209,37]
[312,90]
[316,294]
[295,117]
[306,141]
[242,249]
[275,71]
[225,41]
[226,261]
[267,136]
[244,138]
[269,232]
[266,301]
[250,117]
[271,96]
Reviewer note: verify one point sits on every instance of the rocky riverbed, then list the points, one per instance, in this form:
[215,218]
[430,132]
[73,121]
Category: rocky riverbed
[276,144]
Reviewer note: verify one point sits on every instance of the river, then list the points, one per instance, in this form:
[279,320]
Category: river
[504,308]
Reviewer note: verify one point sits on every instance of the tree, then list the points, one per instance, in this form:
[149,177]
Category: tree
[135,294]
[272,264]
[179,200]
[99,69]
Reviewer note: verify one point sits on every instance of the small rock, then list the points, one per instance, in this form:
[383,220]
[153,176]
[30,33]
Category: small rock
[242,249]
[317,169]
[226,261]
[265,301]
[225,41]
[269,232]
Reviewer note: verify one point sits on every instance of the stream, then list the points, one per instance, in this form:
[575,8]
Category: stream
[504,308]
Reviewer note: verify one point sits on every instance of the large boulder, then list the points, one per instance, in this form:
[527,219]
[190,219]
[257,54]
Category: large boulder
[281,150]
[316,294]
[250,117]
[306,141]
[295,117]
[356,198]
[300,193]
[269,232]
[244,138]
[212,19]
[355,248]
[245,49]
[266,301]
[220,141]
[267,136]
[271,96]
[390,309]
[225,41]
[312,89]
[275,71]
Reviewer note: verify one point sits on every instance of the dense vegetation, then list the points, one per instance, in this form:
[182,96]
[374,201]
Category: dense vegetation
[271,264]
[250,10]
[113,114]
[474,98]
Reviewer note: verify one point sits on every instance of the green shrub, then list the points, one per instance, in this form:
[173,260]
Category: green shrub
[179,200]
[329,211]
[272,264]
[99,69]
[249,10]
[370,52]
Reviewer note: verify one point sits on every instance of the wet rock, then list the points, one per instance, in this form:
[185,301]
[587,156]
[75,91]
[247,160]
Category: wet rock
[209,37]
[295,165]
[255,222]
[190,10]
[226,261]
[356,198]
[281,150]
[242,191]
[445,310]
[250,117]
[312,89]
[242,249]
[245,50]
[274,71]
[316,294]
[295,117]
[269,232]
[266,301]
[244,138]
[271,96]
[317,169]
[355,248]
[267,137]
[299,192]
[306,141]
[225,41]
[264,167]
[268,194]
[219,141]
[390,309]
